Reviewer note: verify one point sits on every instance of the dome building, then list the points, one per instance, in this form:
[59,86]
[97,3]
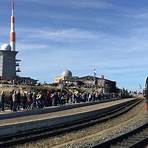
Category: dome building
[5,47]
[67,74]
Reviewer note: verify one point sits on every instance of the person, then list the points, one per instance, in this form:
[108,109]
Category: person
[14,101]
[29,100]
[59,94]
[42,99]
[18,99]
[49,101]
[24,100]
[89,97]
[33,105]
[2,101]
[38,100]
[11,101]
[54,98]
[84,96]
[62,99]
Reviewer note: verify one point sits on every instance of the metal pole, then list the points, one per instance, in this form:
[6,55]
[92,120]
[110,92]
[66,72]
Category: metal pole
[146,93]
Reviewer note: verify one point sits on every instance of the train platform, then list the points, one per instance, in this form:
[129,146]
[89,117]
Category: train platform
[7,114]
[56,112]
[54,119]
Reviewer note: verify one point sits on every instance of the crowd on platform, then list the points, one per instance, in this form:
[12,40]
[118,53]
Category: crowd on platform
[33,100]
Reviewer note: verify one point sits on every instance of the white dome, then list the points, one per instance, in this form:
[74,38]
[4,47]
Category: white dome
[67,73]
[6,47]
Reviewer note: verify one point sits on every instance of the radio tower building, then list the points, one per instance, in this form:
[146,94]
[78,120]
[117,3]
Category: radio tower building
[9,66]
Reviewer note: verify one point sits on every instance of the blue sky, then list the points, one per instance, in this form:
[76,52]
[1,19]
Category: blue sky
[53,35]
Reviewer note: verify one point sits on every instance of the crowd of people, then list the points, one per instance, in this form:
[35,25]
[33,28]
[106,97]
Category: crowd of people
[22,100]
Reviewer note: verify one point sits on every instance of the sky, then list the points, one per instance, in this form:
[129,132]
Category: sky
[54,35]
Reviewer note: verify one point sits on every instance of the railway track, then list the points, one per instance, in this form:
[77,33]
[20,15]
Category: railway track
[36,134]
[136,138]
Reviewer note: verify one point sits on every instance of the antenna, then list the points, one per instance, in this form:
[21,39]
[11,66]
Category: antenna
[95,71]
[12,30]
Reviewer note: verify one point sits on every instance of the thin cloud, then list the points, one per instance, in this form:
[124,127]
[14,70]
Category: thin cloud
[77,3]
[64,35]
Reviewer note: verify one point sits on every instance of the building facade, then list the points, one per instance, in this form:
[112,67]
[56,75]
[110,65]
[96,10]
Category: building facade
[103,85]
[8,64]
